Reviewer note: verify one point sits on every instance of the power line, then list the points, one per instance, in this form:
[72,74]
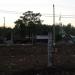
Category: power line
[61,16]
[15,12]
[10,12]
[43,14]
[56,15]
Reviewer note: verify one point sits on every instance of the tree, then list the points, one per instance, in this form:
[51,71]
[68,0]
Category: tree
[29,16]
[20,28]
[27,23]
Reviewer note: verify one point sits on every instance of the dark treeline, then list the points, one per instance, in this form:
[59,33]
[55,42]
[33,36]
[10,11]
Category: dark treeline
[30,25]
[19,33]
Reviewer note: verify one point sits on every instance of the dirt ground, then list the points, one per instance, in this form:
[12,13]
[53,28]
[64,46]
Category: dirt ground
[23,57]
[64,54]
[20,57]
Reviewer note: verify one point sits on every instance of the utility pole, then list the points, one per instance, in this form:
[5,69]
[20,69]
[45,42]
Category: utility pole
[50,49]
[53,36]
[4,22]
[61,29]
[53,25]
[51,42]
[4,39]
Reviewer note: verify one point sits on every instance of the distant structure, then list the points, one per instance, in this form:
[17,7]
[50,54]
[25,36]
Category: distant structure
[41,38]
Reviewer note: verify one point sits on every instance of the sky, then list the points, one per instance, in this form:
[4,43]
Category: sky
[13,9]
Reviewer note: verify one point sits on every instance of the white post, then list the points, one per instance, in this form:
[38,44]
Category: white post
[53,25]
[50,49]
[4,21]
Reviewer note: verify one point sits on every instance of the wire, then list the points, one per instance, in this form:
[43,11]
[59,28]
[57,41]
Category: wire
[10,12]
[44,14]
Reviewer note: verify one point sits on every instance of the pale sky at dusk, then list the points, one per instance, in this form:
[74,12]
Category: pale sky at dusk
[10,9]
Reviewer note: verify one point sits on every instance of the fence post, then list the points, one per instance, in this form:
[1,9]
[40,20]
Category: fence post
[50,49]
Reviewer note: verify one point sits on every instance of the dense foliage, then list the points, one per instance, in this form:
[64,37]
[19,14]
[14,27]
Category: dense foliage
[30,25]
